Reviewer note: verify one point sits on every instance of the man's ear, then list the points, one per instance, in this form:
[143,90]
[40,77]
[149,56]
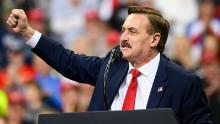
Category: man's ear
[155,39]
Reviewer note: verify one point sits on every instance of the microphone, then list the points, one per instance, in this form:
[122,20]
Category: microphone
[115,55]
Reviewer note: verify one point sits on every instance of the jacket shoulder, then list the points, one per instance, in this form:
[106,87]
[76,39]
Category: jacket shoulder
[179,77]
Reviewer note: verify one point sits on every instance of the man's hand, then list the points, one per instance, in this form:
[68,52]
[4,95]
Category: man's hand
[19,23]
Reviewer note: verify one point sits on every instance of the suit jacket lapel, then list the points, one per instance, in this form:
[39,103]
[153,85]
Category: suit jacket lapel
[159,85]
[117,73]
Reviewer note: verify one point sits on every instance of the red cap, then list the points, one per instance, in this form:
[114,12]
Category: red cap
[218,11]
[91,15]
[67,86]
[16,97]
[208,58]
[36,15]
[113,38]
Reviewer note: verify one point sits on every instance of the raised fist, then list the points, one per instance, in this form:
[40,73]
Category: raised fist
[18,22]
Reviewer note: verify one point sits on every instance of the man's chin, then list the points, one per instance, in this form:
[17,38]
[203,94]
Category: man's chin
[125,55]
[126,52]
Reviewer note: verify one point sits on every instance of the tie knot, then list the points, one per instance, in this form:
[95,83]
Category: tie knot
[135,73]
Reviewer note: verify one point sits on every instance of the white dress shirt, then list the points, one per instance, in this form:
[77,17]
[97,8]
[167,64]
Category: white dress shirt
[34,39]
[145,80]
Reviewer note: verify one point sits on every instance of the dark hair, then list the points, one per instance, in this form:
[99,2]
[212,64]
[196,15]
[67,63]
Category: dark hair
[33,83]
[158,23]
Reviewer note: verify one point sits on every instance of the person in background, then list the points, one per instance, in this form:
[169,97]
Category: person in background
[69,95]
[95,32]
[182,53]
[210,73]
[112,39]
[37,19]
[48,80]
[3,103]
[82,45]
[210,65]
[205,24]
[85,95]
[35,102]
[62,14]
[83,92]
[16,108]
[17,72]
[118,11]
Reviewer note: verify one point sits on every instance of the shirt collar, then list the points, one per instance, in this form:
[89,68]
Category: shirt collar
[147,68]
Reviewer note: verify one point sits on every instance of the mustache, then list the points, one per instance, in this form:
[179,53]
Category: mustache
[125,44]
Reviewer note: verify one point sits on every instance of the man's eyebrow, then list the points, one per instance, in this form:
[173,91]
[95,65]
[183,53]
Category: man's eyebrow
[132,28]
[129,28]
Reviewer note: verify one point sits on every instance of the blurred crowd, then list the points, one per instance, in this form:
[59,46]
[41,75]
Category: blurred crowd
[28,86]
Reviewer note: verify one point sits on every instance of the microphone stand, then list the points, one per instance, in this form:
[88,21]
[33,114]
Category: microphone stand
[116,54]
[106,78]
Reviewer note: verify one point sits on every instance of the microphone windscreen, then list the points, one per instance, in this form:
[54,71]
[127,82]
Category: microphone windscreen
[117,54]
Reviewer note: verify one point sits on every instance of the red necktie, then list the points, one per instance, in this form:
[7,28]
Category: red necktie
[129,101]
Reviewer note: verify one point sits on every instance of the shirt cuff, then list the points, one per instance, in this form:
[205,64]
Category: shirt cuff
[34,39]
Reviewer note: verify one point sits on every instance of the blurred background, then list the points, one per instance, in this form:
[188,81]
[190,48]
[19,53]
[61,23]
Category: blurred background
[28,86]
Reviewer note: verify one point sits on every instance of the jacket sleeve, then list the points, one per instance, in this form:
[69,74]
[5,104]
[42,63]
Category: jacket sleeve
[80,68]
[195,107]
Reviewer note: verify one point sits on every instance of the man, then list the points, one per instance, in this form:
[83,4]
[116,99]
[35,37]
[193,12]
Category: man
[144,78]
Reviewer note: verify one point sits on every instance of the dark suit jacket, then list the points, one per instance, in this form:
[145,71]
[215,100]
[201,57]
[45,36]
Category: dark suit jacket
[182,91]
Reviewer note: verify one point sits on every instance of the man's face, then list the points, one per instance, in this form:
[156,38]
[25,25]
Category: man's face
[135,42]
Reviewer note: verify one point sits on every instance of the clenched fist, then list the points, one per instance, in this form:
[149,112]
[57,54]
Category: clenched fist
[19,23]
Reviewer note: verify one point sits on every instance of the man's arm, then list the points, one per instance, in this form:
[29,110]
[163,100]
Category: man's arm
[77,67]
[80,68]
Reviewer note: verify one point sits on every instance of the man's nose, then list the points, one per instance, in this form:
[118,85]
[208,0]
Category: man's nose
[124,36]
